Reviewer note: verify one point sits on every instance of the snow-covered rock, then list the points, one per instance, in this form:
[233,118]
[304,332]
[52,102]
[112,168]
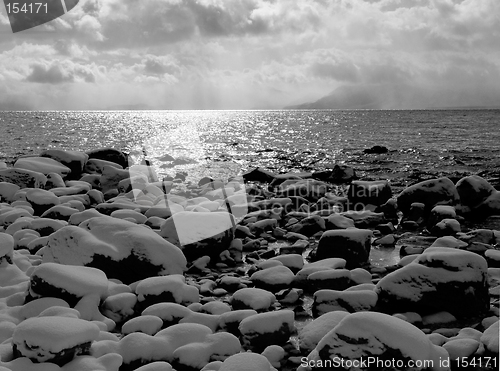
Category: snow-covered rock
[337,221]
[353,245]
[430,193]
[54,339]
[147,324]
[378,336]
[313,332]
[349,301]
[67,282]
[74,160]
[43,165]
[122,249]
[245,362]
[264,329]
[41,200]
[440,279]
[273,279]
[490,338]
[252,298]
[172,288]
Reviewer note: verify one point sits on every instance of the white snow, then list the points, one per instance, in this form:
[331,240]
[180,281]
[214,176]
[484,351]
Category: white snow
[6,245]
[38,337]
[147,324]
[313,332]
[246,362]
[254,298]
[263,323]
[175,284]
[374,332]
[76,280]
[115,239]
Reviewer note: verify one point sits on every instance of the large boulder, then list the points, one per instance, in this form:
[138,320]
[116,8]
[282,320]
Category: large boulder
[352,244]
[43,165]
[75,160]
[309,189]
[67,282]
[429,192]
[110,154]
[366,336]
[473,190]
[440,279]
[53,339]
[23,178]
[199,233]
[490,206]
[362,193]
[121,249]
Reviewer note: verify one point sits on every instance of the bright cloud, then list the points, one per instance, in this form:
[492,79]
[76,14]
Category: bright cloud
[251,53]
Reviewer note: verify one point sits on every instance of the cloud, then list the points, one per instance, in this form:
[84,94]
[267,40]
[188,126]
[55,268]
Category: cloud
[250,53]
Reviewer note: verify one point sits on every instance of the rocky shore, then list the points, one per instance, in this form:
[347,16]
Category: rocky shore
[103,267]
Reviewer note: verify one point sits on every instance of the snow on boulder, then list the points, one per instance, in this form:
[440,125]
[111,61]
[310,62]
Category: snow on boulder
[53,339]
[169,313]
[199,233]
[429,192]
[67,282]
[313,332]
[490,338]
[252,298]
[107,362]
[43,165]
[214,347]
[74,160]
[245,362]
[41,200]
[273,279]
[440,279]
[230,321]
[335,279]
[264,329]
[353,245]
[7,191]
[441,212]
[121,249]
[6,246]
[378,337]
[23,178]
[172,288]
[350,301]
[146,324]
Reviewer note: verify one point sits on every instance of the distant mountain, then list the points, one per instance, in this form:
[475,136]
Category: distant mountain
[398,96]
[380,96]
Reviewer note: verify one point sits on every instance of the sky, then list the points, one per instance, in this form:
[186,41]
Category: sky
[252,54]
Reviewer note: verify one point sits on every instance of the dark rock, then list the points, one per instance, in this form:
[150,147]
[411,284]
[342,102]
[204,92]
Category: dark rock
[376,150]
[110,154]
[353,245]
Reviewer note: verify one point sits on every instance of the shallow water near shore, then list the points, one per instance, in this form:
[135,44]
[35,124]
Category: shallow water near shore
[226,142]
